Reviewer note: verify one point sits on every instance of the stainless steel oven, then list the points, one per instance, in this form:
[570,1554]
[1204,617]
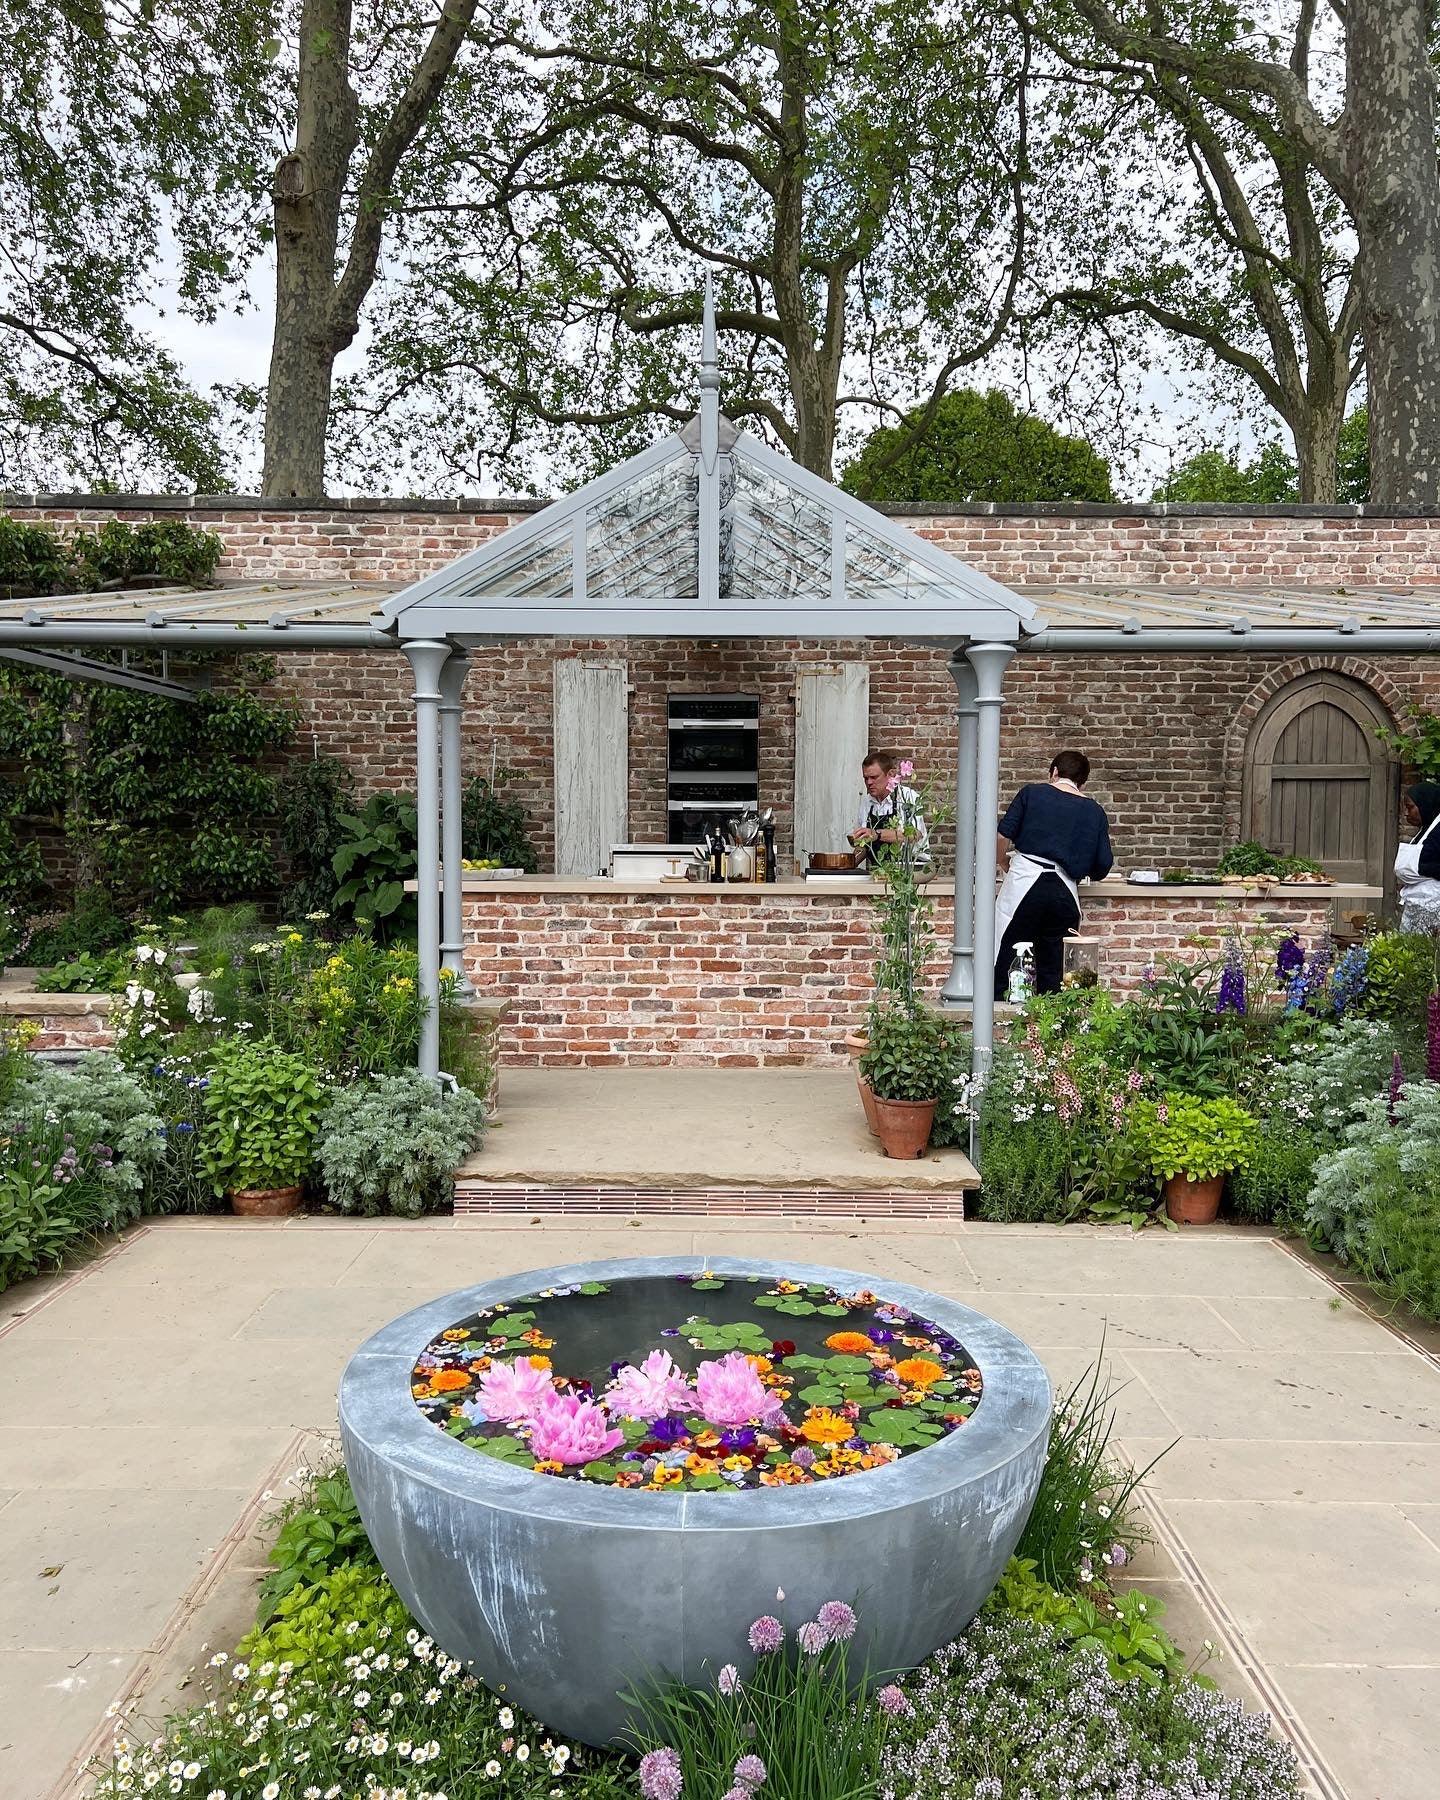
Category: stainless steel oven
[713,762]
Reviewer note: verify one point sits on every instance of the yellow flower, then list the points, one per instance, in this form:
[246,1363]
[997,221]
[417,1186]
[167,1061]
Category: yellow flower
[822,1426]
[664,1477]
[736,1462]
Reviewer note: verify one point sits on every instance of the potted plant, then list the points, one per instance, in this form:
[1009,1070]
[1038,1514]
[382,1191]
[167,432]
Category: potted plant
[905,1066]
[1191,1145]
[263,1107]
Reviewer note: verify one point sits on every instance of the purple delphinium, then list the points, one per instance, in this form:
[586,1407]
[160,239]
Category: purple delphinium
[767,1634]
[1348,983]
[660,1777]
[838,1619]
[750,1772]
[1289,960]
[1232,989]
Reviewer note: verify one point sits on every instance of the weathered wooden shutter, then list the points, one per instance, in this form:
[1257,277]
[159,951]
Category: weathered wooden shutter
[832,725]
[591,764]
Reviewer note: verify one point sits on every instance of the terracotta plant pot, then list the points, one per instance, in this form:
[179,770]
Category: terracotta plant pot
[869,1102]
[265,1203]
[903,1126]
[857,1044]
[1193,1202]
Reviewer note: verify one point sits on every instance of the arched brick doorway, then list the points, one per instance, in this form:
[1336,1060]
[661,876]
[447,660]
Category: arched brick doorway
[1317,781]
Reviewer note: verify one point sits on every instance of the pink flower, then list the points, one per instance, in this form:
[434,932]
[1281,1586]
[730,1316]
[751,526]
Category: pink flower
[728,1680]
[838,1619]
[567,1429]
[511,1392]
[657,1387]
[767,1634]
[750,1772]
[813,1637]
[729,1393]
[907,769]
[660,1777]
[891,1701]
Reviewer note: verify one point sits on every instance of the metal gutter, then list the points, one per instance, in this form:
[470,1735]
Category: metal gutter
[1241,638]
[161,633]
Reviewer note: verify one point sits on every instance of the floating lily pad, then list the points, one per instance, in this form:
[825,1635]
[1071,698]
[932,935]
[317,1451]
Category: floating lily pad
[599,1471]
[706,1286]
[832,1312]
[594,1287]
[819,1395]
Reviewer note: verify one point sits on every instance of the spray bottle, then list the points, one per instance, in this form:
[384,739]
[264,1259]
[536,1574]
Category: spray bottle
[1022,976]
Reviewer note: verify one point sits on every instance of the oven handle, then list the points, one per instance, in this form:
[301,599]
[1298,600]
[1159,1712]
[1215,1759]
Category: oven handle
[714,725]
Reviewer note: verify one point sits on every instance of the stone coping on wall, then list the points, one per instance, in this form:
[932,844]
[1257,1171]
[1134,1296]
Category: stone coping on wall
[487,505]
[1107,890]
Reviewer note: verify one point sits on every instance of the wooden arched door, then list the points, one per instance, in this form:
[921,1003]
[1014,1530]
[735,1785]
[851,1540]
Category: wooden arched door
[1319,784]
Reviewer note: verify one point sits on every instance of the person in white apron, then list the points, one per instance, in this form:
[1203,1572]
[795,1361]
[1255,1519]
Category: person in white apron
[1056,837]
[1417,864]
[889,813]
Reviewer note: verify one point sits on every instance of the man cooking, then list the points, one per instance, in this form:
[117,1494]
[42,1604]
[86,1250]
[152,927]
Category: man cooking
[1057,837]
[889,813]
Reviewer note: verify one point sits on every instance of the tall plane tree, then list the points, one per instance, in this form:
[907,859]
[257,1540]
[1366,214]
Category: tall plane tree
[1374,144]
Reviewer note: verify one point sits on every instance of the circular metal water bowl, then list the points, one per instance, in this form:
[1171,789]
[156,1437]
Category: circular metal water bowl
[564,1593]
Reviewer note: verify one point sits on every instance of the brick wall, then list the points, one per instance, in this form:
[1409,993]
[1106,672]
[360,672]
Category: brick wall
[747,977]
[1166,734]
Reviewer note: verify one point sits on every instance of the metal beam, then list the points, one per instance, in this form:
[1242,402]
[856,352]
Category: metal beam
[1239,639]
[85,668]
[138,635]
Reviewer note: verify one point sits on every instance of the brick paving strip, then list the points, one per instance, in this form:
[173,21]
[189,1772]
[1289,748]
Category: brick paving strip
[149,1400]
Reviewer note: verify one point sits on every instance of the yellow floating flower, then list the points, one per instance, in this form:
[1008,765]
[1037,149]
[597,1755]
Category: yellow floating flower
[824,1426]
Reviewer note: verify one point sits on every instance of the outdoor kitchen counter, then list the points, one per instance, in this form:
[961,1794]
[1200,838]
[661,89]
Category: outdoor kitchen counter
[599,972]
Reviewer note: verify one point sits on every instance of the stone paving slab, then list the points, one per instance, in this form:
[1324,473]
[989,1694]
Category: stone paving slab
[1297,1519]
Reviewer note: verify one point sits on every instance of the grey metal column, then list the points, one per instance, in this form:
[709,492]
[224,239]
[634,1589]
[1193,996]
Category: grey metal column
[452,926]
[959,988]
[989,662]
[427,658]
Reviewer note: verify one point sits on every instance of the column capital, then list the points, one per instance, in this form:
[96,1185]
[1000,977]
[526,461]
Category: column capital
[962,673]
[426,657]
[452,680]
[989,661]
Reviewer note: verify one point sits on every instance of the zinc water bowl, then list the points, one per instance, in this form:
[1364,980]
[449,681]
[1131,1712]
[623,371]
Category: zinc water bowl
[708,1435]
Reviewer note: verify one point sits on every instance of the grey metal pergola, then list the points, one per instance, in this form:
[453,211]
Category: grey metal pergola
[709,534]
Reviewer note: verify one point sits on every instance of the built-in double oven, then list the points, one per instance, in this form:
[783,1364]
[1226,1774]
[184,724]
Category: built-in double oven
[713,765]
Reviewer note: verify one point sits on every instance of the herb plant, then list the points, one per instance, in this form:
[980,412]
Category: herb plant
[393,1144]
[1183,1134]
[263,1108]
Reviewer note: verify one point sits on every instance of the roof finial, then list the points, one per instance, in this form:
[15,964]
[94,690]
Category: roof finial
[709,358]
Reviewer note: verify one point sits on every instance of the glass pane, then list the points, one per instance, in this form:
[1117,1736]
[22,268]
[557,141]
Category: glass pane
[779,544]
[641,543]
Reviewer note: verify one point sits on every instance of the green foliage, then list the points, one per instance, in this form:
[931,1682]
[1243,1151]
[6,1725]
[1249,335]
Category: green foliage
[100,1100]
[86,973]
[263,1109]
[1376,1201]
[1252,858]
[1028,1165]
[1125,1628]
[90,928]
[495,827]
[1399,974]
[312,796]
[796,1712]
[908,1056]
[308,1624]
[976,447]
[1011,1711]
[1271,479]
[393,1145]
[1080,1517]
[1419,746]
[320,1533]
[38,560]
[375,859]
[1183,1134]
[1272,1188]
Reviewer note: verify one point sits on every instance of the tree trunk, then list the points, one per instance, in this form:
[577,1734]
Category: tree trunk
[309,183]
[1389,153]
[1317,447]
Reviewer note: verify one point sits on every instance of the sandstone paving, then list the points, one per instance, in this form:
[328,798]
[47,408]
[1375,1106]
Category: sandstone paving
[1295,1517]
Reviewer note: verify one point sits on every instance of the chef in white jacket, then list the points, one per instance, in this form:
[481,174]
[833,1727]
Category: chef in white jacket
[889,811]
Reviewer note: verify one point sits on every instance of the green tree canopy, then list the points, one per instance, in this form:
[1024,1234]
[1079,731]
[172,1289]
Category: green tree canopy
[1271,478]
[978,447]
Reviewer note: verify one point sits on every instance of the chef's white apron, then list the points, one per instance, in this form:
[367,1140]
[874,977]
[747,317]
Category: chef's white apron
[1022,874]
[1419,894]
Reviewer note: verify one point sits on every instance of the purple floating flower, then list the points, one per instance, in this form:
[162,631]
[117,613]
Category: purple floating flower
[892,1702]
[669,1430]
[812,1637]
[728,1680]
[767,1634]
[803,1457]
[738,1439]
[877,1334]
[750,1772]
[838,1620]
[660,1777]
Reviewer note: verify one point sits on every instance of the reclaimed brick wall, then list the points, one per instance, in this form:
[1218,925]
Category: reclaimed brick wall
[1166,734]
[742,978]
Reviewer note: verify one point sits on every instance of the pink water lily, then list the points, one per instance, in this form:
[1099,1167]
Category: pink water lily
[657,1387]
[511,1392]
[567,1429]
[729,1392]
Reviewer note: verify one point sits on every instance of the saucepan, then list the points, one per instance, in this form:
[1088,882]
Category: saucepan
[830,862]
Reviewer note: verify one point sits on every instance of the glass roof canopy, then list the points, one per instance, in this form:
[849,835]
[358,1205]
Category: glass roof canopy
[709,533]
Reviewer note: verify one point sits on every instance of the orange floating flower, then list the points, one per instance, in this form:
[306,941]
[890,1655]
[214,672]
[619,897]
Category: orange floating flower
[850,1343]
[664,1477]
[762,1365]
[446,1381]
[784,1475]
[549,1468]
[697,1465]
[455,1335]
[540,1362]
[787,1287]
[708,1440]
[629,1478]
[919,1371]
[822,1426]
